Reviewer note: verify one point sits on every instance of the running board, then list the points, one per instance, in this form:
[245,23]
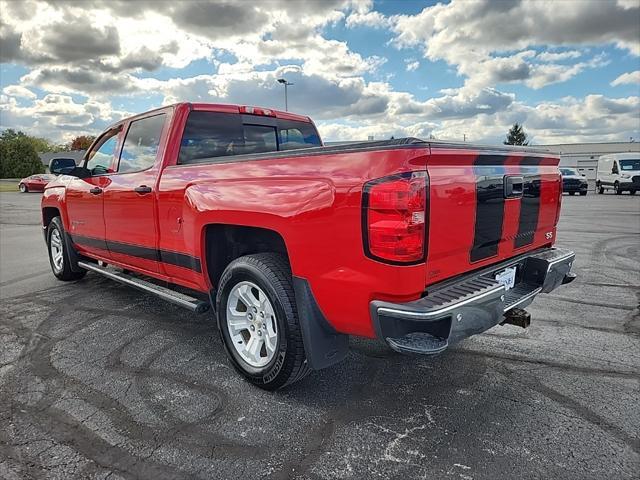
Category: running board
[177,298]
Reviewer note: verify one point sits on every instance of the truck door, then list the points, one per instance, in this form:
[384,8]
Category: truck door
[84,196]
[130,214]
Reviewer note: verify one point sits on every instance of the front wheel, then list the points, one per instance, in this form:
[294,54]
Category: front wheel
[258,321]
[632,192]
[572,193]
[582,194]
[58,253]
[616,189]
[23,188]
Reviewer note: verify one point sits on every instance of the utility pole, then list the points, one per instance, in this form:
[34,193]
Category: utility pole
[286,99]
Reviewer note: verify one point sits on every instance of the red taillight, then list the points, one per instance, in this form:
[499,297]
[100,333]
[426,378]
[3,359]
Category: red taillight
[394,218]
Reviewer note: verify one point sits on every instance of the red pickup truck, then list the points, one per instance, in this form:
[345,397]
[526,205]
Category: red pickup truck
[297,245]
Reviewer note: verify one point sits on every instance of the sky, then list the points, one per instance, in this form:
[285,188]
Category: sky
[568,70]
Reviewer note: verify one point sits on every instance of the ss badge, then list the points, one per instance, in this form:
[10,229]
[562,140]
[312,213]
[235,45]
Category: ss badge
[549,235]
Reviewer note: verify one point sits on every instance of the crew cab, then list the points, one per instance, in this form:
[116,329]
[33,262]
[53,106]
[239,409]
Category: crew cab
[295,246]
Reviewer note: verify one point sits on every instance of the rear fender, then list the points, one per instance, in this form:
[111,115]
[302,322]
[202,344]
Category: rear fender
[276,204]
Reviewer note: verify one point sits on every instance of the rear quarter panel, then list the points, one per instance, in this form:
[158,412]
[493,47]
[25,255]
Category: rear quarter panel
[314,203]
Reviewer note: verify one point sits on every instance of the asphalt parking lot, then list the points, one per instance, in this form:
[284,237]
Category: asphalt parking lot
[98,381]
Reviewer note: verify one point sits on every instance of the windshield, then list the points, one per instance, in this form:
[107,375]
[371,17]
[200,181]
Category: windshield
[568,171]
[630,164]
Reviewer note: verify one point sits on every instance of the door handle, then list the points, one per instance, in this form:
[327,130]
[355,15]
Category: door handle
[513,186]
[142,189]
[96,190]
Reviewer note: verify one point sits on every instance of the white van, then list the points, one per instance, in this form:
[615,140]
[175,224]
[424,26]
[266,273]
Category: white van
[619,172]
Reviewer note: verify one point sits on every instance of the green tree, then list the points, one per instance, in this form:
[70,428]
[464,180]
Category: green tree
[41,145]
[82,142]
[516,136]
[18,156]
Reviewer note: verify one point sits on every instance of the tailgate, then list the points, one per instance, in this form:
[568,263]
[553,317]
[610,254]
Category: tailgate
[486,207]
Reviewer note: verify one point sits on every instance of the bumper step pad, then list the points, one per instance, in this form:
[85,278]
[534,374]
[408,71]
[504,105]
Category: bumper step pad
[421,343]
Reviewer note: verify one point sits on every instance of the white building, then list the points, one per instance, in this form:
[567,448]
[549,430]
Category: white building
[584,156]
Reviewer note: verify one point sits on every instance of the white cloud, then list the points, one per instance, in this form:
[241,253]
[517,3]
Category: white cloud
[19,91]
[628,78]
[412,65]
[479,38]
[558,56]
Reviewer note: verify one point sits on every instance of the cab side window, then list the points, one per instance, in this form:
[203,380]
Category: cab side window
[614,169]
[100,158]
[141,144]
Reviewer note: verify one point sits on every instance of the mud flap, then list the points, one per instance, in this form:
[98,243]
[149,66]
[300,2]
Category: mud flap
[323,345]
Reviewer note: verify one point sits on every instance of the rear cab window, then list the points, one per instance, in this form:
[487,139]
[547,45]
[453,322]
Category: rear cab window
[208,135]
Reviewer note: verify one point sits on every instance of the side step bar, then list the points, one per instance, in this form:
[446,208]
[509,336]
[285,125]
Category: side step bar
[177,298]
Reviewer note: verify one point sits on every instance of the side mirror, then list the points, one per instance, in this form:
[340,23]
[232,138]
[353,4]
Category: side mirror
[62,166]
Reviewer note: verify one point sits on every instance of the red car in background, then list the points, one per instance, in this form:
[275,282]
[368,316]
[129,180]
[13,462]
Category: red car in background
[35,183]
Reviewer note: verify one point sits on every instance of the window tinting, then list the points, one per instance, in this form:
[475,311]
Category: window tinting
[100,159]
[141,144]
[294,135]
[211,134]
[259,139]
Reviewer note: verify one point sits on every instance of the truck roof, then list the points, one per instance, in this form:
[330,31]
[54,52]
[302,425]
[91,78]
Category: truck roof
[222,108]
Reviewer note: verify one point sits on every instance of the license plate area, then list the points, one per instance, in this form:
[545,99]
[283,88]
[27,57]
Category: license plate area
[507,277]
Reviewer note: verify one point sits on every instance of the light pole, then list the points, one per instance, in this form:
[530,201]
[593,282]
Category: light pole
[286,100]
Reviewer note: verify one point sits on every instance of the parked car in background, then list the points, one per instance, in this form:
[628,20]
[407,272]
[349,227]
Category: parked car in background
[573,182]
[619,172]
[35,183]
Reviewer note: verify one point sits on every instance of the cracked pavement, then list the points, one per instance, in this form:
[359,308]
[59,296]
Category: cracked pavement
[100,381]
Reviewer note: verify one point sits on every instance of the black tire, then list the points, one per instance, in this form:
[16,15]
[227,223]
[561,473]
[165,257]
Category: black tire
[632,192]
[64,273]
[583,194]
[270,272]
[616,188]
[600,188]
[23,188]
[572,193]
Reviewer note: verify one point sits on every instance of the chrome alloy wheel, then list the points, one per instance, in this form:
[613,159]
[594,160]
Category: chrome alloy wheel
[252,325]
[57,254]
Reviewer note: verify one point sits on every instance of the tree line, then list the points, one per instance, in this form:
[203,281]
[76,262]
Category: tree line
[19,152]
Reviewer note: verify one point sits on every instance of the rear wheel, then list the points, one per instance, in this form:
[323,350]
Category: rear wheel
[583,194]
[600,188]
[616,188]
[58,253]
[23,188]
[258,321]
[632,192]
[572,193]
